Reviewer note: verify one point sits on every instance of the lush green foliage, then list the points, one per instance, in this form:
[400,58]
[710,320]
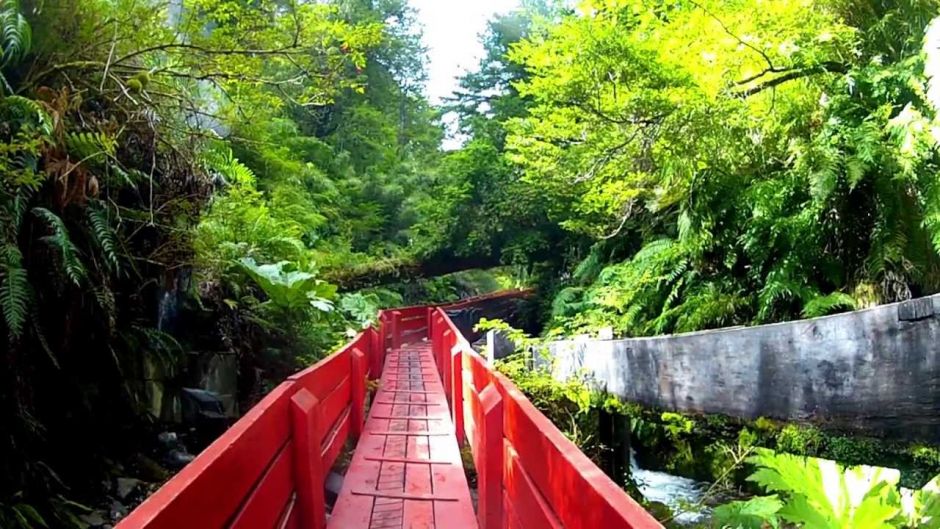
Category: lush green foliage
[736,161]
[819,493]
[222,176]
[173,178]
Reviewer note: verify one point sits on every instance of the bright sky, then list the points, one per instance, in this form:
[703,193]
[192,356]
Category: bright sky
[451,32]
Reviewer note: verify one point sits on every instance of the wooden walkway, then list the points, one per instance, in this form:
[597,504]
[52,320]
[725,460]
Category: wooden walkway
[406,471]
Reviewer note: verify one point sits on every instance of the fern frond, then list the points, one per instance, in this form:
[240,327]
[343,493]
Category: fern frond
[104,235]
[87,145]
[823,305]
[15,291]
[59,239]
[15,33]
[28,112]
[224,164]
[105,298]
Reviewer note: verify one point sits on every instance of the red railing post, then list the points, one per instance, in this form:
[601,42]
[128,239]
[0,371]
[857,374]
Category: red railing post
[375,353]
[308,466]
[490,473]
[358,391]
[395,330]
[446,344]
[430,320]
[381,330]
[439,327]
[432,335]
[456,383]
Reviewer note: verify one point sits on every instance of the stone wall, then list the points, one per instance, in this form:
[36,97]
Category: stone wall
[874,371]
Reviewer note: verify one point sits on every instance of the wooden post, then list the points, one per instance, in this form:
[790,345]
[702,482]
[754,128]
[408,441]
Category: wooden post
[358,392]
[396,330]
[383,341]
[375,353]
[490,473]
[430,321]
[456,382]
[439,328]
[308,465]
[432,335]
[446,344]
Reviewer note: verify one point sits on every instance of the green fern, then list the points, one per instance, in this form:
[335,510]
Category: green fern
[224,163]
[15,290]
[104,235]
[60,240]
[823,305]
[15,33]
[26,112]
[88,145]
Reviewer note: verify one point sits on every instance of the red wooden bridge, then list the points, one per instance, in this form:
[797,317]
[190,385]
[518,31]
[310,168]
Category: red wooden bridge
[433,393]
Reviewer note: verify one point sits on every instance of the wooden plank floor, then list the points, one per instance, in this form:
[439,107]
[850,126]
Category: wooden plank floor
[406,471]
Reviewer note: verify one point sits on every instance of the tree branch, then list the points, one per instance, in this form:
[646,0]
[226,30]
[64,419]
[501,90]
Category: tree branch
[826,67]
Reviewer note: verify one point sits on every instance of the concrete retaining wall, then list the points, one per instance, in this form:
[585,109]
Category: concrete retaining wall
[874,371]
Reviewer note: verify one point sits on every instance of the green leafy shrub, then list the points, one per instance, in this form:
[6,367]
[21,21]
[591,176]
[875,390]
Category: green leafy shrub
[821,494]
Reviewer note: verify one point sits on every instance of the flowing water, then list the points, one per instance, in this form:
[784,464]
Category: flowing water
[675,492]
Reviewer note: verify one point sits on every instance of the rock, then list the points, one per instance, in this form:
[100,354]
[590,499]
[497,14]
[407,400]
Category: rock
[333,486]
[126,486]
[659,510]
[118,510]
[150,469]
[178,459]
[93,519]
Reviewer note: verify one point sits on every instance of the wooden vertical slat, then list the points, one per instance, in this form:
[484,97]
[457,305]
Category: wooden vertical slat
[358,392]
[490,469]
[308,466]
[395,329]
[446,371]
[375,353]
[456,390]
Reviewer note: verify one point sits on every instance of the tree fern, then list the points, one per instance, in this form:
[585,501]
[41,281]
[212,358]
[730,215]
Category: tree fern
[60,240]
[15,291]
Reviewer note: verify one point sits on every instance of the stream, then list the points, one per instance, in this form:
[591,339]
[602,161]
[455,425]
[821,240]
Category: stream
[675,492]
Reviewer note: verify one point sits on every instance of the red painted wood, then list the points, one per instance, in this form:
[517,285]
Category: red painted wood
[358,405]
[309,469]
[323,377]
[289,518]
[477,370]
[510,518]
[399,466]
[447,342]
[334,441]
[335,404]
[395,329]
[558,468]
[375,353]
[473,415]
[268,500]
[222,475]
[490,468]
[525,505]
[456,390]
[267,471]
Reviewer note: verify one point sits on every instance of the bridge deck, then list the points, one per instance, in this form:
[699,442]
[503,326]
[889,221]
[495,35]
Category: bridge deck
[406,471]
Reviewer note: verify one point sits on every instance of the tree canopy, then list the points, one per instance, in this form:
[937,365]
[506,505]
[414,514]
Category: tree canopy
[184,176]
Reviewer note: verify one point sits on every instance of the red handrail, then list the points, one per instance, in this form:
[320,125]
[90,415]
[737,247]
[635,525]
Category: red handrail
[529,473]
[268,470]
